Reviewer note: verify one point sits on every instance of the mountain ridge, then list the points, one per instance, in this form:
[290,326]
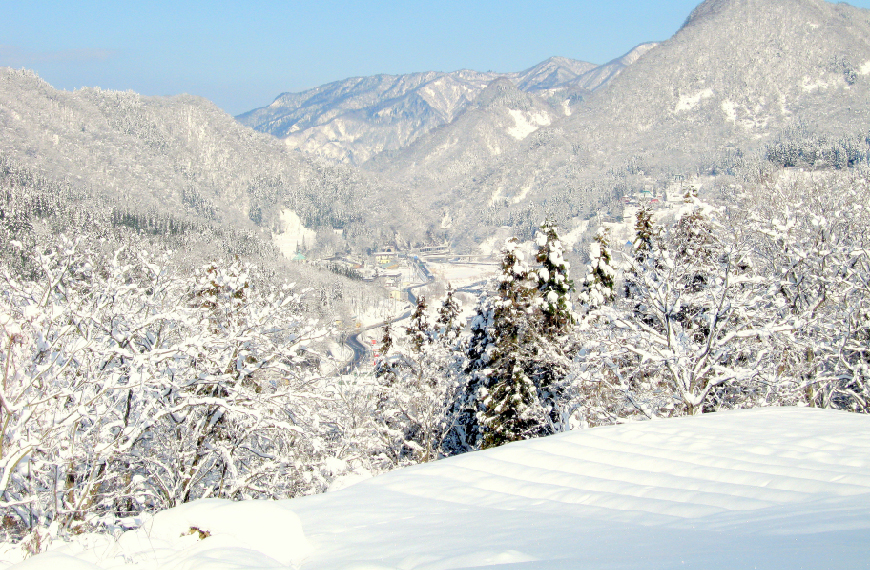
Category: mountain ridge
[740,74]
[353,120]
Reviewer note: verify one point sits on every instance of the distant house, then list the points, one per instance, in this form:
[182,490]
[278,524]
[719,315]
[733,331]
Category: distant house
[399,295]
[442,249]
[299,256]
[388,255]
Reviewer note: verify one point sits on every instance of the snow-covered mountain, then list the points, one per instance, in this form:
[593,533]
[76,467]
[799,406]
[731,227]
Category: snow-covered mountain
[482,149]
[735,77]
[601,75]
[499,117]
[766,488]
[355,119]
[179,156]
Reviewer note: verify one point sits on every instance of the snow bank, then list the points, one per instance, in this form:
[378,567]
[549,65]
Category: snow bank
[767,488]
[210,534]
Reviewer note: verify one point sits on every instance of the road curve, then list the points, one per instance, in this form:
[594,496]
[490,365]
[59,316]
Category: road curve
[360,351]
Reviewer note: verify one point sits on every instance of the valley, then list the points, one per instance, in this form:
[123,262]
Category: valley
[576,315]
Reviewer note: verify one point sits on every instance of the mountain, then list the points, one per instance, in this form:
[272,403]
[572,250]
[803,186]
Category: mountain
[355,119]
[599,76]
[499,117]
[738,75]
[180,157]
[552,73]
[484,150]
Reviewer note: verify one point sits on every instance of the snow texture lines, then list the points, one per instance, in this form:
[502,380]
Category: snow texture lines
[771,488]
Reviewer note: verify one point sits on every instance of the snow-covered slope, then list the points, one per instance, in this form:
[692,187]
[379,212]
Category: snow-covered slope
[355,119]
[729,82]
[766,488]
[180,155]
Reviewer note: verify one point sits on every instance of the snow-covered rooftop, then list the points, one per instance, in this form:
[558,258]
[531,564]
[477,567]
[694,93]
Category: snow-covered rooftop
[765,488]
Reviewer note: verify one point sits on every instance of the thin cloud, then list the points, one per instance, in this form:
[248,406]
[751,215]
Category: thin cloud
[13,56]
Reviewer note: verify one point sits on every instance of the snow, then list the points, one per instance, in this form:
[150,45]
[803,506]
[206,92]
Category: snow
[572,237]
[54,560]
[524,191]
[809,85]
[462,274]
[730,110]
[496,195]
[525,125]
[772,488]
[865,68]
[688,102]
[294,234]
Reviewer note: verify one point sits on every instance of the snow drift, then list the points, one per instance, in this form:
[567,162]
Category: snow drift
[765,488]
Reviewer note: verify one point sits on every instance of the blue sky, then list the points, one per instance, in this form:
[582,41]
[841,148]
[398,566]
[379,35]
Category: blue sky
[241,55]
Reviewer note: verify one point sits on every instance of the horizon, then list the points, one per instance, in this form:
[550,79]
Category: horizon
[242,56]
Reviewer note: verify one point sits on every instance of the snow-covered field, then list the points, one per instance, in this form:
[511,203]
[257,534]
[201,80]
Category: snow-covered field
[766,488]
[462,274]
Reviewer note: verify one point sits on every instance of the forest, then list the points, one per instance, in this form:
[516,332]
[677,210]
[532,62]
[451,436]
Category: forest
[136,378]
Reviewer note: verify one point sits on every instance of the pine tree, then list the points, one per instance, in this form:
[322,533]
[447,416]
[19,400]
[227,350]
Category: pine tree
[643,232]
[642,251]
[387,338]
[419,332]
[553,282]
[448,318]
[597,288]
[508,397]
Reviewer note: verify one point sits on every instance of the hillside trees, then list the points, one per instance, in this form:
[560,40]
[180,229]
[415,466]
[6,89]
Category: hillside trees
[128,386]
[418,385]
[516,360]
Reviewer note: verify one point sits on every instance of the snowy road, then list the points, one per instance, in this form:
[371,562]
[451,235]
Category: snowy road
[360,351]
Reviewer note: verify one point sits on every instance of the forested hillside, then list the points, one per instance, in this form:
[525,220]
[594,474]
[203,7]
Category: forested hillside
[180,157]
[688,233]
[738,75]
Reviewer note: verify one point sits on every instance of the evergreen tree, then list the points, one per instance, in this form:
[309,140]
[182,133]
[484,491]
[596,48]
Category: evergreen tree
[597,288]
[553,282]
[508,398]
[643,232]
[387,338]
[419,332]
[642,251]
[448,318]
[507,395]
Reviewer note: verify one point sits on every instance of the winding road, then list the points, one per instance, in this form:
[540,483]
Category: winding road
[352,341]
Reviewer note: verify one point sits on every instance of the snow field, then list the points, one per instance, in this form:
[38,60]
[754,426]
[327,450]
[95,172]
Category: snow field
[764,488]
[462,274]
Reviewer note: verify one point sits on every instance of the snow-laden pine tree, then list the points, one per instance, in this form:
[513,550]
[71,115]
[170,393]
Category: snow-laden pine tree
[515,361]
[509,408]
[448,323]
[387,338]
[419,332]
[644,232]
[597,287]
[554,284]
